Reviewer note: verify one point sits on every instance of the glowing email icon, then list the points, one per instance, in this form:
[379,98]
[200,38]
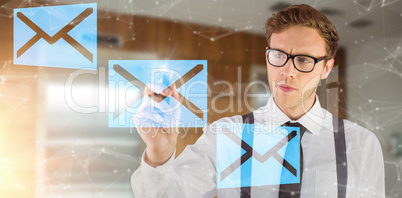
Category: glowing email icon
[129,78]
[56,36]
[254,155]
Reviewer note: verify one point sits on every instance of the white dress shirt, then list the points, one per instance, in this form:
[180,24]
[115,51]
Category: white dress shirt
[193,173]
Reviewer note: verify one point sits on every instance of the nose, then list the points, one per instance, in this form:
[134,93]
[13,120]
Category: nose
[289,70]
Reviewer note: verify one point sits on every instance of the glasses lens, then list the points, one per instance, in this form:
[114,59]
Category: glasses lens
[304,63]
[277,58]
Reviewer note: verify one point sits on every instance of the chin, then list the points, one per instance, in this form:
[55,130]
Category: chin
[286,101]
[289,104]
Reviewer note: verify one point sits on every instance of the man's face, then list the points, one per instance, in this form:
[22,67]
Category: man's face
[291,88]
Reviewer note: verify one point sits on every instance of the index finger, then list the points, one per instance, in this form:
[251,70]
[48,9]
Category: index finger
[171,90]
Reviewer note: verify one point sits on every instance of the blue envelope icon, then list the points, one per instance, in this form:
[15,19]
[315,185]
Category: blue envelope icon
[257,155]
[56,36]
[128,80]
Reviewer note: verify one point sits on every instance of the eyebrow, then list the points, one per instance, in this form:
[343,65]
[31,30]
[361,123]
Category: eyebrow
[299,54]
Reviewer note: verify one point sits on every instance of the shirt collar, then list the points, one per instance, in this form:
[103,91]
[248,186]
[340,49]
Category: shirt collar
[312,120]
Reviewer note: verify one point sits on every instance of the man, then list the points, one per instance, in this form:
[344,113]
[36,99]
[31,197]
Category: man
[302,44]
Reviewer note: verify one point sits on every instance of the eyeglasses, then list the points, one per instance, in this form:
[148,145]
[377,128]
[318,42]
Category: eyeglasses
[302,63]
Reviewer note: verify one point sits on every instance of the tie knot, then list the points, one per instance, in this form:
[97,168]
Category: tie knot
[296,124]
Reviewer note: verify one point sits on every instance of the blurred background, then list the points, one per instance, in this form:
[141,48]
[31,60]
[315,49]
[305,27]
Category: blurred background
[48,148]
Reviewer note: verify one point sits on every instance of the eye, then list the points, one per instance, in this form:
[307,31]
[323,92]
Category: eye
[278,55]
[304,59]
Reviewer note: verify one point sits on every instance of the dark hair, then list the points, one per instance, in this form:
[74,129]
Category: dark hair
[304,15]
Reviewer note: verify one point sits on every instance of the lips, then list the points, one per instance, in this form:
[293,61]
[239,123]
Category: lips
[286,88]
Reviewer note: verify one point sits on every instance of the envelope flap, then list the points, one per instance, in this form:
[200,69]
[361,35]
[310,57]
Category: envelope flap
[267,136]
[52,19]
[160,73]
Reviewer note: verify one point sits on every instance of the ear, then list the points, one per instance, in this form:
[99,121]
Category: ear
[327,69]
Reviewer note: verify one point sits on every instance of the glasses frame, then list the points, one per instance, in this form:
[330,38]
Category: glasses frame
[316,60]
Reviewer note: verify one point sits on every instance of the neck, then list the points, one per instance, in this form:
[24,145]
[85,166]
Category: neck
[296,112]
